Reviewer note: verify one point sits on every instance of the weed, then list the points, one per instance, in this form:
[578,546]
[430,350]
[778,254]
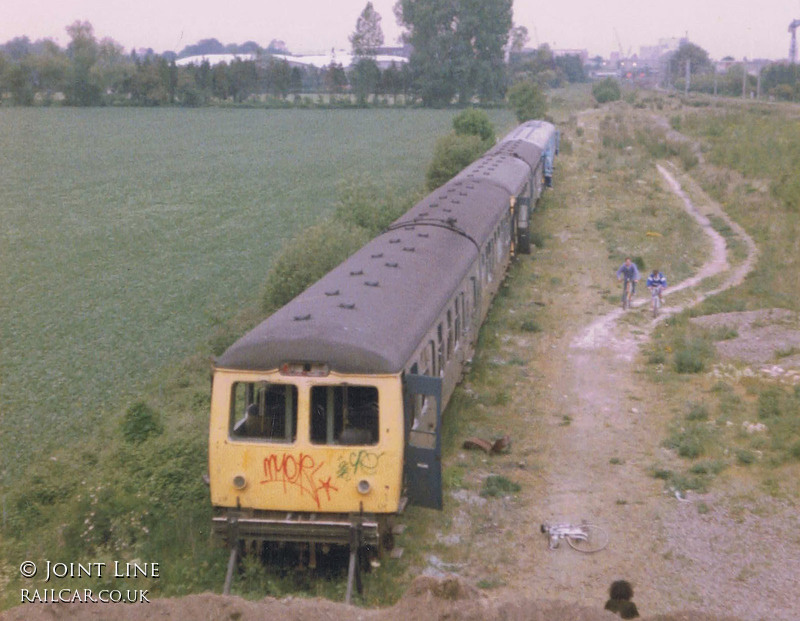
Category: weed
[709,467]
[656,356]
[785,352]
[770,403]
[529,325]
[697,412]
[490,583]
[745,457]
[691,355]
[140,422]
[496,485]
[724,333]
[453,477]
[690,441]
[661,473]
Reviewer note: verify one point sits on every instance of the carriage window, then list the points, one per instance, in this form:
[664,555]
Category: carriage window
[440,350]
[459,304]
[264,411]
[346,415]
[449,333]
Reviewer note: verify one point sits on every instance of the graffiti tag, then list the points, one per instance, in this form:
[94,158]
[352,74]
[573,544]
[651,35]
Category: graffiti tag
[358,462]
[298,473]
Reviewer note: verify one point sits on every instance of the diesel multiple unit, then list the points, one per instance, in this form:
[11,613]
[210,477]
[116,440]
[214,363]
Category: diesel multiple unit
[325,418]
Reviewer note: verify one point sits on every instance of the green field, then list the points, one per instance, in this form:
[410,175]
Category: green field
[126,235]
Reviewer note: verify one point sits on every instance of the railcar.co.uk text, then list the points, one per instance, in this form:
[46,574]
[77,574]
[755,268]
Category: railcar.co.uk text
[54,571]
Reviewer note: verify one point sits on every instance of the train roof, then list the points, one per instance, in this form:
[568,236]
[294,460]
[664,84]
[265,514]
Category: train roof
[526,151]
[369,314]
[501,168]
[540,133]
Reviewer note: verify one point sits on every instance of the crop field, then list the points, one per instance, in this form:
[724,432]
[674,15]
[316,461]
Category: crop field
[126,235]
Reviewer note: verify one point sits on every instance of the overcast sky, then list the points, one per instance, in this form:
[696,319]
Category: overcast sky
[740,28]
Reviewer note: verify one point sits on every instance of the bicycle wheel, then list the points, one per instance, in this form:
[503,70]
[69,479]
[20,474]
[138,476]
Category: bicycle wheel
[595,540]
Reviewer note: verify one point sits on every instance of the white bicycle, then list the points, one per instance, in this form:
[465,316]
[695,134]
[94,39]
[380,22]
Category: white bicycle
[587,538]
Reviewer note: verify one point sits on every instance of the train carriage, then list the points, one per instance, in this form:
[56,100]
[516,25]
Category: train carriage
[325,418]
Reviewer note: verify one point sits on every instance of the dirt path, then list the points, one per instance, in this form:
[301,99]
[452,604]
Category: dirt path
[602,435]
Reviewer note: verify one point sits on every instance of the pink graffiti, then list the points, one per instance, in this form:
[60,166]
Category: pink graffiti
[298,472]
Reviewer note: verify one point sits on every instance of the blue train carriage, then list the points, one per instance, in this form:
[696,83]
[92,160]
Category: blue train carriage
[326,417]
[545,136]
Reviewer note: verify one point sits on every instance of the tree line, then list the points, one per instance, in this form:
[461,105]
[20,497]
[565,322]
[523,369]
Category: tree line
[778,80]
[92,72]
[459,54]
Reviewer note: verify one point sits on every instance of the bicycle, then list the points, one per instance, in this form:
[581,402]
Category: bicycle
[586,538]
[655,293]
[627,293]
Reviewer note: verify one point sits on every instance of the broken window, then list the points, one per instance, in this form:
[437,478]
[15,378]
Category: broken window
[265,411]
[345,415]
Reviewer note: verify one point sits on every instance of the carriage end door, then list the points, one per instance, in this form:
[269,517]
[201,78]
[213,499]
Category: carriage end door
[422,406]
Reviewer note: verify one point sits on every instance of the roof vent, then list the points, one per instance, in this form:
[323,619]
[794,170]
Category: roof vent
[357,273]
[331,293]
[377,256]
[302,317]
[372,283]
[408,248]
[392,264]
[347,305]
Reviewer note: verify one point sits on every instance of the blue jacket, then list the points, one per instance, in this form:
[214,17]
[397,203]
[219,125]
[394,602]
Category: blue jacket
[631,273]
[657,281]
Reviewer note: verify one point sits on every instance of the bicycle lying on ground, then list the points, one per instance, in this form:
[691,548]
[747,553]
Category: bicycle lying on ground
[585,538]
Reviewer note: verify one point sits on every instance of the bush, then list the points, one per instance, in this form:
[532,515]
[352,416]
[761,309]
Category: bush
[606,90]
[140,422]
[367,204]
[528,101]
[691,356]
[451,155]
[474,122]
[308,257]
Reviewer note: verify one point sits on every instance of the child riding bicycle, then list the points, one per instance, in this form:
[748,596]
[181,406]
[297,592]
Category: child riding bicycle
[656,282]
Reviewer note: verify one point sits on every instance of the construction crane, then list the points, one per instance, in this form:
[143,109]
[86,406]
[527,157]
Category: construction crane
[793,44]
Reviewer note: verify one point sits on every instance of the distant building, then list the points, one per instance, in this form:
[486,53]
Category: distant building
[583,55]
[213,59]
[344,58]
[385,58]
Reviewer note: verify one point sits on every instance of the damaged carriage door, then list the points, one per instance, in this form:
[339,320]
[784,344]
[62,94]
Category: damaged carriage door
[422,406]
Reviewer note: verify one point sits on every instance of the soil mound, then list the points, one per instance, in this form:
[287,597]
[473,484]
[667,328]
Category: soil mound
[449,598]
